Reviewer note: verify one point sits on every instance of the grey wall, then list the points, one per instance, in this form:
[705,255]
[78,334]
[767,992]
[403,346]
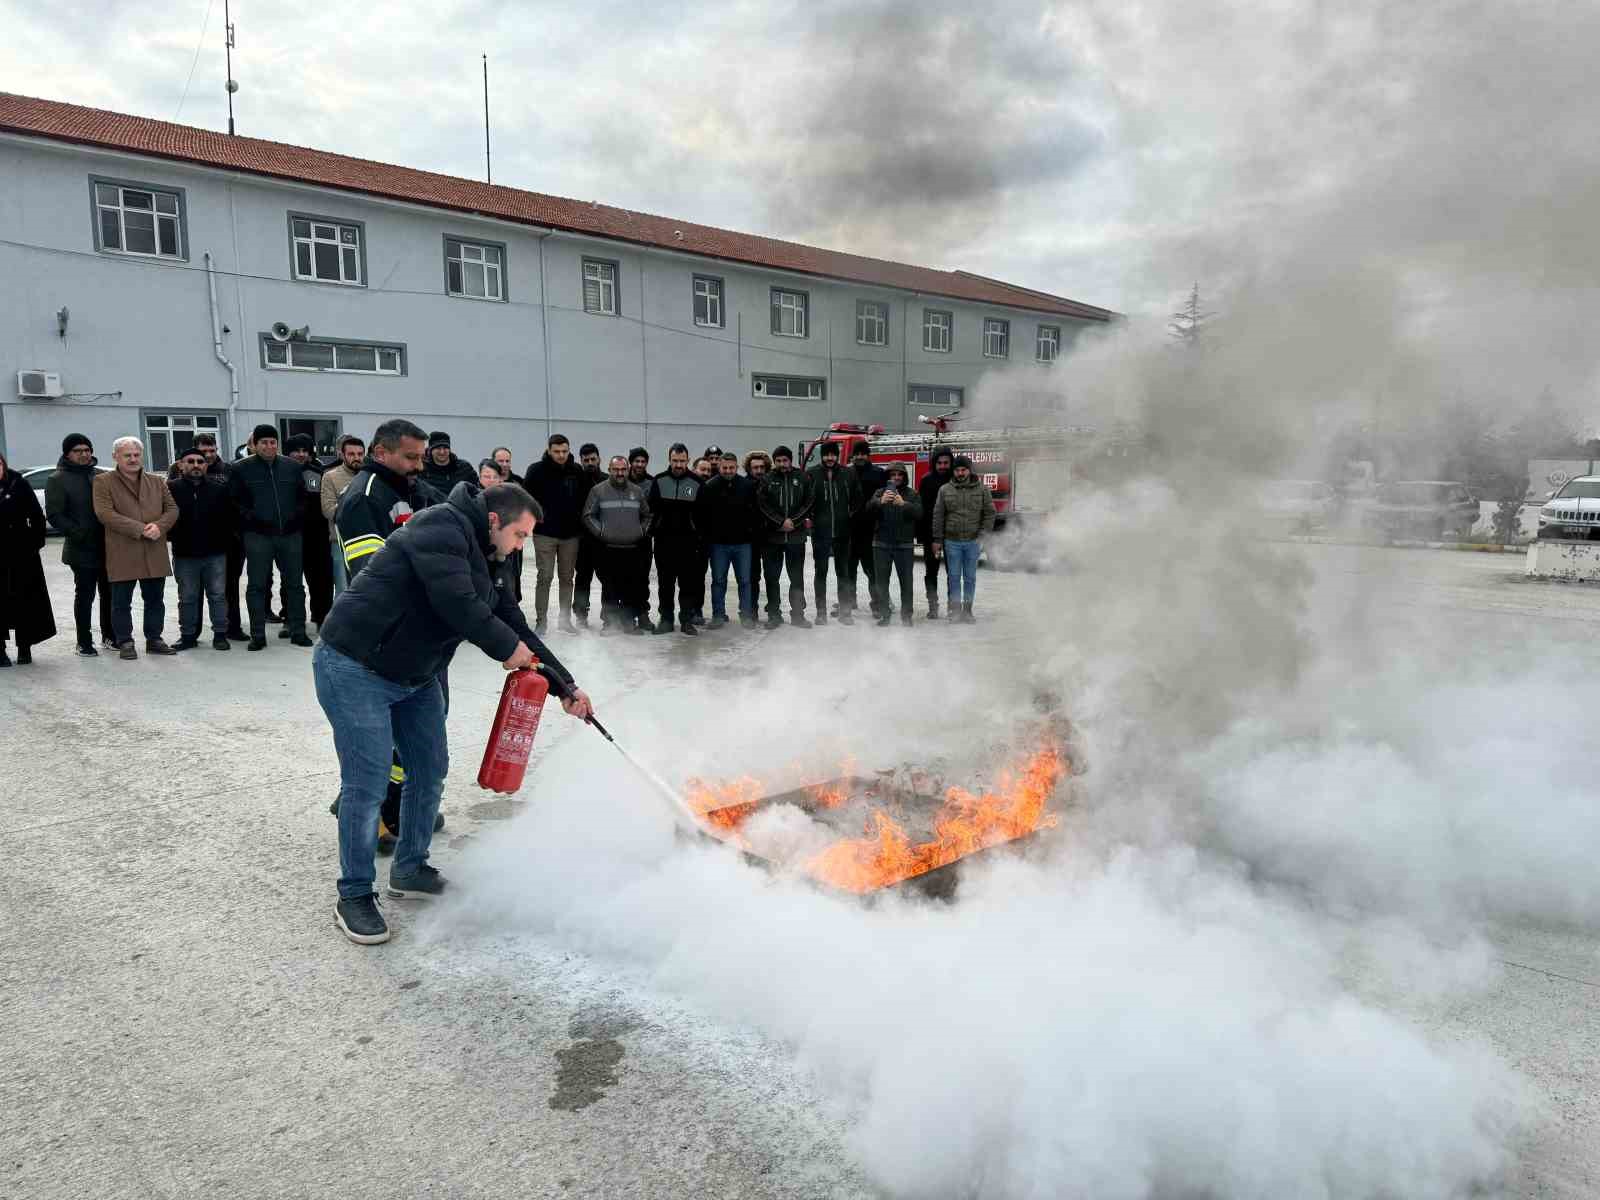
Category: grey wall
[476,368]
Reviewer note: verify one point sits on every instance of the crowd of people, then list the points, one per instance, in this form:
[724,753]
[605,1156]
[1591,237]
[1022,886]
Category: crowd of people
[294,530]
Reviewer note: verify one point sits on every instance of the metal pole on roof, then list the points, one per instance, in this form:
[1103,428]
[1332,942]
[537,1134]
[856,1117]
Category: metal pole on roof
[232,85]
[488,169]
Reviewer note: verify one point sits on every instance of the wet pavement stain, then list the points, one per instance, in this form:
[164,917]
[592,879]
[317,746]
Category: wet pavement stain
[585,1069]
[492,810]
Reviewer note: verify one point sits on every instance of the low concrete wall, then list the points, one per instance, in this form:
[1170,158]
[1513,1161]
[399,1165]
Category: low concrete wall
[1564,560]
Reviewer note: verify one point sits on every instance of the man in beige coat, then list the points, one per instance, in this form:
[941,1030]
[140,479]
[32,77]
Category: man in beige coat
[352,450]
[137,511]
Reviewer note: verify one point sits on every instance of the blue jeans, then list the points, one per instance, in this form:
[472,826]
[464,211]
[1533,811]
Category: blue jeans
[724,555]
[197,577]
[372,716]
[961,570]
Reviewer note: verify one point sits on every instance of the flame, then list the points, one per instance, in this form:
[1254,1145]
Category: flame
[967,823]
[722,808]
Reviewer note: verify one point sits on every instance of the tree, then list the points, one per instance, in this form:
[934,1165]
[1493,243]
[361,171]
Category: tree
[1188,323]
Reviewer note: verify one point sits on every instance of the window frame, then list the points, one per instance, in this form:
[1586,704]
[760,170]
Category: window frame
[695,280]
[483,243]
[377,345]
[882,304]
[769,377]
[1004,333]
[337,222]
[148,432]
[585,262]
[913,388]
[282,419]
[1039,342]
[776,309]
[949,330]
[180,194]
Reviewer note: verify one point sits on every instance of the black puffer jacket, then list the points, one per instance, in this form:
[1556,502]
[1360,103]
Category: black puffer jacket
[726,512]
[430,588]
[895,525]
[836,498]
[266,494]
[69,506]
[442,479]
[560,491]
[927,493]
[205,517]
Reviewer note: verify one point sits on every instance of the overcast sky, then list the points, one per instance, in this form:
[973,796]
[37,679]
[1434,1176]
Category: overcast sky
[1109,150]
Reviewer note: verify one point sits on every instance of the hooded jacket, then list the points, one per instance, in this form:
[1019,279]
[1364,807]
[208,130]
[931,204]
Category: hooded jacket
[835,499]
[672,504]
[377,502]
[267,494]
[895,525]
[69,507]
[617,516]
[560,489]
[431,587]
[963,511]
[784,495]
[442,479]
[725,512]
[928,492]
[205,517]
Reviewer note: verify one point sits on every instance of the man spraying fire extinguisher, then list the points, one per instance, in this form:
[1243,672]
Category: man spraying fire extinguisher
[393,631]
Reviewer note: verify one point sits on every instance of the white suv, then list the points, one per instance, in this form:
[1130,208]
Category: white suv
[1573,513]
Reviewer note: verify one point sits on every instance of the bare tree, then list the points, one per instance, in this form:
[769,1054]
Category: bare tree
[1188,323]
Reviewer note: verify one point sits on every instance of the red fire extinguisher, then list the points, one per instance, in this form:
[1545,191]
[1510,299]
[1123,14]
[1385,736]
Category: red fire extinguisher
[505,758]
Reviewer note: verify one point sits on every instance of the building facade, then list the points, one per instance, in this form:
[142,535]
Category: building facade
[158,280]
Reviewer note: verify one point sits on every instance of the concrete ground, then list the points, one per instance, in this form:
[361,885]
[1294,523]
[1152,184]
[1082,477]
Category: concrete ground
[181,1017]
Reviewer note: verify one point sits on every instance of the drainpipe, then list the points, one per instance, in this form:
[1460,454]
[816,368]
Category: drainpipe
[544,333]
[216,348]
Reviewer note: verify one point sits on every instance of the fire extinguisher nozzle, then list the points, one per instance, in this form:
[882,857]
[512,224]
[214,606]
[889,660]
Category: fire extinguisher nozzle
[602,729]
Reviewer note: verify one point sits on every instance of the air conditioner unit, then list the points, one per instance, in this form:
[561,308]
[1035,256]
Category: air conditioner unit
[759,387]
[38,385]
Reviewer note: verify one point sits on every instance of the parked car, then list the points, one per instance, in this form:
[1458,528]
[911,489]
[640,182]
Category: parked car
[1573,510]
[37,477]
[1421,508]
[1301,505]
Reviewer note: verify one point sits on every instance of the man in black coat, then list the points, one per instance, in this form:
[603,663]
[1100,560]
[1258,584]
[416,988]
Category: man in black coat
[560,486]
[377,666]
[870,477]
[672,495]
[313,528]
[442,470]
[24,599]
[200,541]
[588,548]
[266,491]
[942,471]
[727,517]
[69,507]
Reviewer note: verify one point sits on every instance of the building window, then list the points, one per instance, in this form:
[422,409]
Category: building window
[1049,343]
[938,328]
[323,431]
[788,387]
[927,395]
[332,354]
[872,323]
[327,251]
[789,313]
[996,338]
[474,270]
[708,301]
[130,218]
[169,434]
[600,287]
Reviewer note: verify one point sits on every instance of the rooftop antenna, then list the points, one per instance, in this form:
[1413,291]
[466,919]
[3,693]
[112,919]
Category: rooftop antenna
[488,170]
[227,41]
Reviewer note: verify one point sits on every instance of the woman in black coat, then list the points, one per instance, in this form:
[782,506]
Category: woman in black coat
[24,599]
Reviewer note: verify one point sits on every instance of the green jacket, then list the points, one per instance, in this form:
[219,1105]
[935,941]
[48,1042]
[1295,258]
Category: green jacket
[963,512]
[833,501]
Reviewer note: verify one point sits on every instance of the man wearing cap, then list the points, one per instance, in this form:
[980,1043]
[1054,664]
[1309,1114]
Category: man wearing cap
[200,542]
[836,498]
[443,470]
[897,511]
[266,492]
[869,478]
[69,507]
[314,542]
[938,475]
[962,514]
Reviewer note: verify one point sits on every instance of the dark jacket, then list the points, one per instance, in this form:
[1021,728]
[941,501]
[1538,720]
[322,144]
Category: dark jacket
[205,517]
[835,499]
[69,503]
[672,504]
[560,491]
[784,494]
[216,468]
[377,502]
[617,516]
[725,512]
[266,494]
[442,479]
[313,524]
[430,588]
[24,598]
[928,492]
[963,511]
[869,479]
[895,525]
[592,478]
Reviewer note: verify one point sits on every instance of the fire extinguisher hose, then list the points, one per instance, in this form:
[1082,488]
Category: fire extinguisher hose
[682,813]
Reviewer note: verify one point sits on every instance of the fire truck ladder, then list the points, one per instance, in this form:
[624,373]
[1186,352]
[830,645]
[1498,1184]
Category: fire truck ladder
[1069,435]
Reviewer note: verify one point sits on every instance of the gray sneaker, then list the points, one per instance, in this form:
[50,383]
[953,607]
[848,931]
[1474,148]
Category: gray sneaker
[424,883]
[360,920]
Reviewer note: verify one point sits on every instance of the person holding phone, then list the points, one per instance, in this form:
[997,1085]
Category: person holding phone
[897,511]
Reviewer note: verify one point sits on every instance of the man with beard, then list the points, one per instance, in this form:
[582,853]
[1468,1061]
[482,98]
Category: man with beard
[560,486]
[314,538]
[617,513]
[836,501]
[785,500]
[334,481]
[639,476]
[502,459]
[942,472]
[672,498]
[200,542]
[869,478]
[583,582]
[267,492]
[444,470]
[757,464]
[725,515]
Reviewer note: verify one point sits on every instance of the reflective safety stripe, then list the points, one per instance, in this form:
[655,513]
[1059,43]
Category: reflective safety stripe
[361,545]
[397,774]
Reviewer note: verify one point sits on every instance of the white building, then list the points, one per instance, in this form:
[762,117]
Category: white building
[144,267]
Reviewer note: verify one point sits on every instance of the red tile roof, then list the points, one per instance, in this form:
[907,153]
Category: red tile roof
[184,143]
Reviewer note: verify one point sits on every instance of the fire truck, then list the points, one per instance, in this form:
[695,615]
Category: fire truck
[1026,468]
